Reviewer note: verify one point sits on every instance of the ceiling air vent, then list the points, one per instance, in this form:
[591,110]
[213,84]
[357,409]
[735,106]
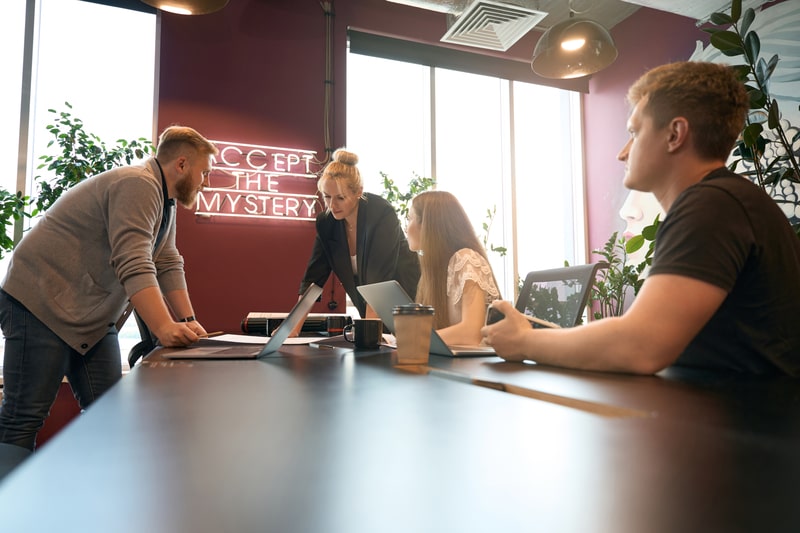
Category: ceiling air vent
[490,24]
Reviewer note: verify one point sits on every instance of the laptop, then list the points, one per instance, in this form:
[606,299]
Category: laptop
[383,296]
[210,349]
[558,295]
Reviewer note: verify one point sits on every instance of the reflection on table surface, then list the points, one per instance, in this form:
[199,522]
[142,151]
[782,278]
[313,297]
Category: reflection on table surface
[342,440]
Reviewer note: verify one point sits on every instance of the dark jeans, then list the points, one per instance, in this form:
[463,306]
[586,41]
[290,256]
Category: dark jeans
[35,362]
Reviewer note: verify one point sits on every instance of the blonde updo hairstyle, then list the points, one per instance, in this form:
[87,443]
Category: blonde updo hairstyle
[343,170]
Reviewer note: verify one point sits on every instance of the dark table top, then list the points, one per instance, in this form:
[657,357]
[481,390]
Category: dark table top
[333,440]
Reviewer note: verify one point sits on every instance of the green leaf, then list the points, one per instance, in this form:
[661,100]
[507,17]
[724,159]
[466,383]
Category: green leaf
[753,46]
[742,71]
[751,133]
[772,65]
[757,99]
[774,115]
[747,20]
[721,19]
[727,41]
[772,179]
[649,232]
[634,244]
[790,175]
[762,74]
[736,10]
[733,52]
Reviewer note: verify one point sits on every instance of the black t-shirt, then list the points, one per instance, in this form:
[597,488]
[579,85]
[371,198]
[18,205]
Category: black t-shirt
[725,231]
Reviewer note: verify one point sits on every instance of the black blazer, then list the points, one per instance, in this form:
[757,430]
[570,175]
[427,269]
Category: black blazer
[381,249]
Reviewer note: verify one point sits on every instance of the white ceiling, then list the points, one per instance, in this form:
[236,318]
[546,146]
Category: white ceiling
[611,12]
[607,12]
[697,9]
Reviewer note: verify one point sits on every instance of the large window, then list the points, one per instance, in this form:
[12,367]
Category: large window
[12,27]
[100,59]
[496,144]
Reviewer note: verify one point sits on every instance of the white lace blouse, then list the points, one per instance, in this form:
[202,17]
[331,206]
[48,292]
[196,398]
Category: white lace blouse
[468,265]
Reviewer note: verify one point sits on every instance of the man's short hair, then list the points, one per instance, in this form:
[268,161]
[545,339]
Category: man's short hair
[710,96]
[174,139]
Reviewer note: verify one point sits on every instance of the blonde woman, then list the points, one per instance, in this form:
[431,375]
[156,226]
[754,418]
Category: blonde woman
[359,237]
[456,278]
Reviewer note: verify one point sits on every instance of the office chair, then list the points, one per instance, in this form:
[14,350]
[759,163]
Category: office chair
[144,346]
[560,294]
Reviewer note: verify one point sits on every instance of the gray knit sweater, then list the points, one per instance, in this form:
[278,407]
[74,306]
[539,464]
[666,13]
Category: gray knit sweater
[92,250]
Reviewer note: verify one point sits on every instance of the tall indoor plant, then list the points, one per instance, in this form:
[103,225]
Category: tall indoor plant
[766,146]
[621,279]
[401,201]
[81,155]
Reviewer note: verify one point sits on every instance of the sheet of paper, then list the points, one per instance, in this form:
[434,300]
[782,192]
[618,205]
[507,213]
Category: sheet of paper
[389,340]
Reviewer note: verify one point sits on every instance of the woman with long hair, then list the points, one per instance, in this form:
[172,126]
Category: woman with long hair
[456,277]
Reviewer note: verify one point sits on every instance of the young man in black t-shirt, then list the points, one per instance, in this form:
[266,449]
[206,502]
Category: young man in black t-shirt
[723,292]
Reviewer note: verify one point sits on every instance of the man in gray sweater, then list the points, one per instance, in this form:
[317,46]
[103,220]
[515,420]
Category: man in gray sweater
[109,239]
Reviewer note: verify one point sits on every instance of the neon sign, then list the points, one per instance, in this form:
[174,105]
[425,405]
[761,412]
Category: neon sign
[264,182]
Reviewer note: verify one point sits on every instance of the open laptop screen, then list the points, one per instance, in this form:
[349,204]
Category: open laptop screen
[251,351]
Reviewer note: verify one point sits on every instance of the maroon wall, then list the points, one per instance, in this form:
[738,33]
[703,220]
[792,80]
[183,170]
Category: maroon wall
[645,40]
[254,73]
[251,73]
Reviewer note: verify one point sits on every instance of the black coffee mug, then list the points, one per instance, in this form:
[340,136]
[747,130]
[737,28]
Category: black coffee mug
[365,333]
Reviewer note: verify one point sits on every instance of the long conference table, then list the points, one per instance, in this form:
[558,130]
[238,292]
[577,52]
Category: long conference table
[336,440]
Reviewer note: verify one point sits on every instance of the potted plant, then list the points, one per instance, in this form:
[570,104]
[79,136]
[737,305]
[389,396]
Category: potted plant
[766,146]
[620,279]
[13,207]
[401,201]
[82,155]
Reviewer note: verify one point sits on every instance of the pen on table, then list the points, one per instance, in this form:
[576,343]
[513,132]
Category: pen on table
[212,334]
[318,345]
[545,323]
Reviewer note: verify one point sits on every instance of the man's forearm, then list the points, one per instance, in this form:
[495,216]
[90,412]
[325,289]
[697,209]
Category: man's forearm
[149,304]
[179,303]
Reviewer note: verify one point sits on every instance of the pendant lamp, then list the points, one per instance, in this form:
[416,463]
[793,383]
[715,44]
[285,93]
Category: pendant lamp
[188,7]
[573,48]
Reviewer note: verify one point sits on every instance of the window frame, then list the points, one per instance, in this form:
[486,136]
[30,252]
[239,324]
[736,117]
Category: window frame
[27,162]
[509,271]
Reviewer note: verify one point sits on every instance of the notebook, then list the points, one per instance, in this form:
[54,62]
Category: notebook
[383,296]
[213,350]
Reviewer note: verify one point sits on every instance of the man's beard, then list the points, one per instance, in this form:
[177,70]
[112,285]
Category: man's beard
[185,193]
